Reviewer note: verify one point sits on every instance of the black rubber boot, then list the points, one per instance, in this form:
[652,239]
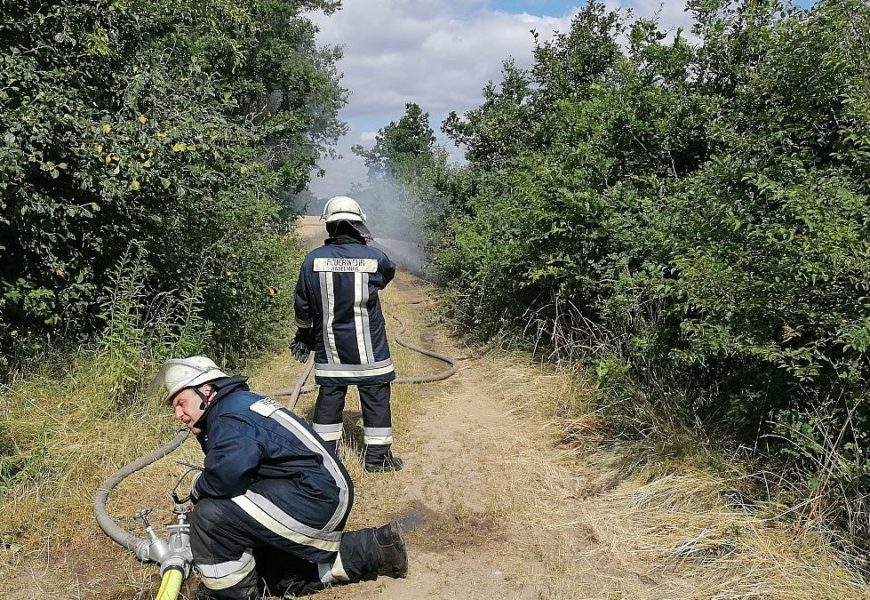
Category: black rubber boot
[380,459]
[394,557]
[369,553]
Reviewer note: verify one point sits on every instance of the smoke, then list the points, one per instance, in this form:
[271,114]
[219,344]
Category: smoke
[395,214]
[404,208]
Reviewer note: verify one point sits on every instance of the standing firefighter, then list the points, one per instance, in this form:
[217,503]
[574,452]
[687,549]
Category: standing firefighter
[272,501]
[340,319]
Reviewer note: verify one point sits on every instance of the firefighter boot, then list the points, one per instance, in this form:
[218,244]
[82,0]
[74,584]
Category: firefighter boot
[380,459]
[394,557]
[368,553]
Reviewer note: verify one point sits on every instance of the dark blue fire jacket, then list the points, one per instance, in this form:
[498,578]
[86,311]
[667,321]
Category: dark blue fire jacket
[337,295]
[272,465]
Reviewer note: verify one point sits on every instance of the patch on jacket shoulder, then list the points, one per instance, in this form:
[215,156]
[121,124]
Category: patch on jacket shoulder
[265,407]
[346,265]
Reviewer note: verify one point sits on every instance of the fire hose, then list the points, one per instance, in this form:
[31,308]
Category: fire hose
[174,555]
[300,388]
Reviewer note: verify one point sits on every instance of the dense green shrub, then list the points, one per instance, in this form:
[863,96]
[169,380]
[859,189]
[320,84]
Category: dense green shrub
[173,125]
[696,211]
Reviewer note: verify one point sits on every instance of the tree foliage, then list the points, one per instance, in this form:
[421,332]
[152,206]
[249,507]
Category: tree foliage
[397,144]
[168,125]
[698,210]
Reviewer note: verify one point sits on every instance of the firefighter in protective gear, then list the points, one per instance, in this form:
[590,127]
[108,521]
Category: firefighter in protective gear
[339,318]
[272,501]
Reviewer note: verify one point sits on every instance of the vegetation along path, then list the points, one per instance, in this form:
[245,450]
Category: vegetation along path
[511,490]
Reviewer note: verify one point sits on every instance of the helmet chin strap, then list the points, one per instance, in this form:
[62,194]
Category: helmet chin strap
[202,397]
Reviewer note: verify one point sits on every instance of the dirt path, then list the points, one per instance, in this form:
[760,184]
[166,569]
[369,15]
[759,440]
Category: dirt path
[492,505]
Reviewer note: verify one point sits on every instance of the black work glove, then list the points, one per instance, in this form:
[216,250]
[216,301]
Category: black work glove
[302,344]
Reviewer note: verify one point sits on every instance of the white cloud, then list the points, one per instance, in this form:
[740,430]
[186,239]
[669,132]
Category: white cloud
[399,51]
[437,53]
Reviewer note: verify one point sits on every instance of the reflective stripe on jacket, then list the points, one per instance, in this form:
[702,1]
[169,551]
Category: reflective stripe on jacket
[252,442]
[337,295]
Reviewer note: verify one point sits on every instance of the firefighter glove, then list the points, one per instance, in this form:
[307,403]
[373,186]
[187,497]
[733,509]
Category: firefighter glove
[302,344]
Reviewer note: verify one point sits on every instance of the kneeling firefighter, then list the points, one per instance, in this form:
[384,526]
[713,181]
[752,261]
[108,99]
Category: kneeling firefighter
[272,500]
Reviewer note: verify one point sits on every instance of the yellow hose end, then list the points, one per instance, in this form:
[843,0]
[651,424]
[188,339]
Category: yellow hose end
[171,585]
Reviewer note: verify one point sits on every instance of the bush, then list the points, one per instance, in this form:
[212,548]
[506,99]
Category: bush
[173,125]
[698,211]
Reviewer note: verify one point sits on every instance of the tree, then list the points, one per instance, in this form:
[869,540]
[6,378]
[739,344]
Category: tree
[171,125]
[398,144]
[502,127]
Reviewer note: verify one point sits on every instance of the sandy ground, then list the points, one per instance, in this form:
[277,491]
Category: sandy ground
[492,505]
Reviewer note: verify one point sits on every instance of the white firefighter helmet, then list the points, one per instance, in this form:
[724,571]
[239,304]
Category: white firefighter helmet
[342,208]
[177,374]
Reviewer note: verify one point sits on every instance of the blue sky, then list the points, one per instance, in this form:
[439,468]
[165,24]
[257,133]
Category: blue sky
[439,54]
[558,8]
[553,8]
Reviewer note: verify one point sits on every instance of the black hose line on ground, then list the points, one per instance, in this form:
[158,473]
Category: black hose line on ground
[131,542]
[299,388]
[112,529]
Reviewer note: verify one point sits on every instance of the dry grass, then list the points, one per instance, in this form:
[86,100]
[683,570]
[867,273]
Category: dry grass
[664,522]
[686,520]
[65,437]
[579,523]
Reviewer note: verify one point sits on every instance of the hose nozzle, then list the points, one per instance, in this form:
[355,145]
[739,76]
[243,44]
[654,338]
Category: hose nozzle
[174,554]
